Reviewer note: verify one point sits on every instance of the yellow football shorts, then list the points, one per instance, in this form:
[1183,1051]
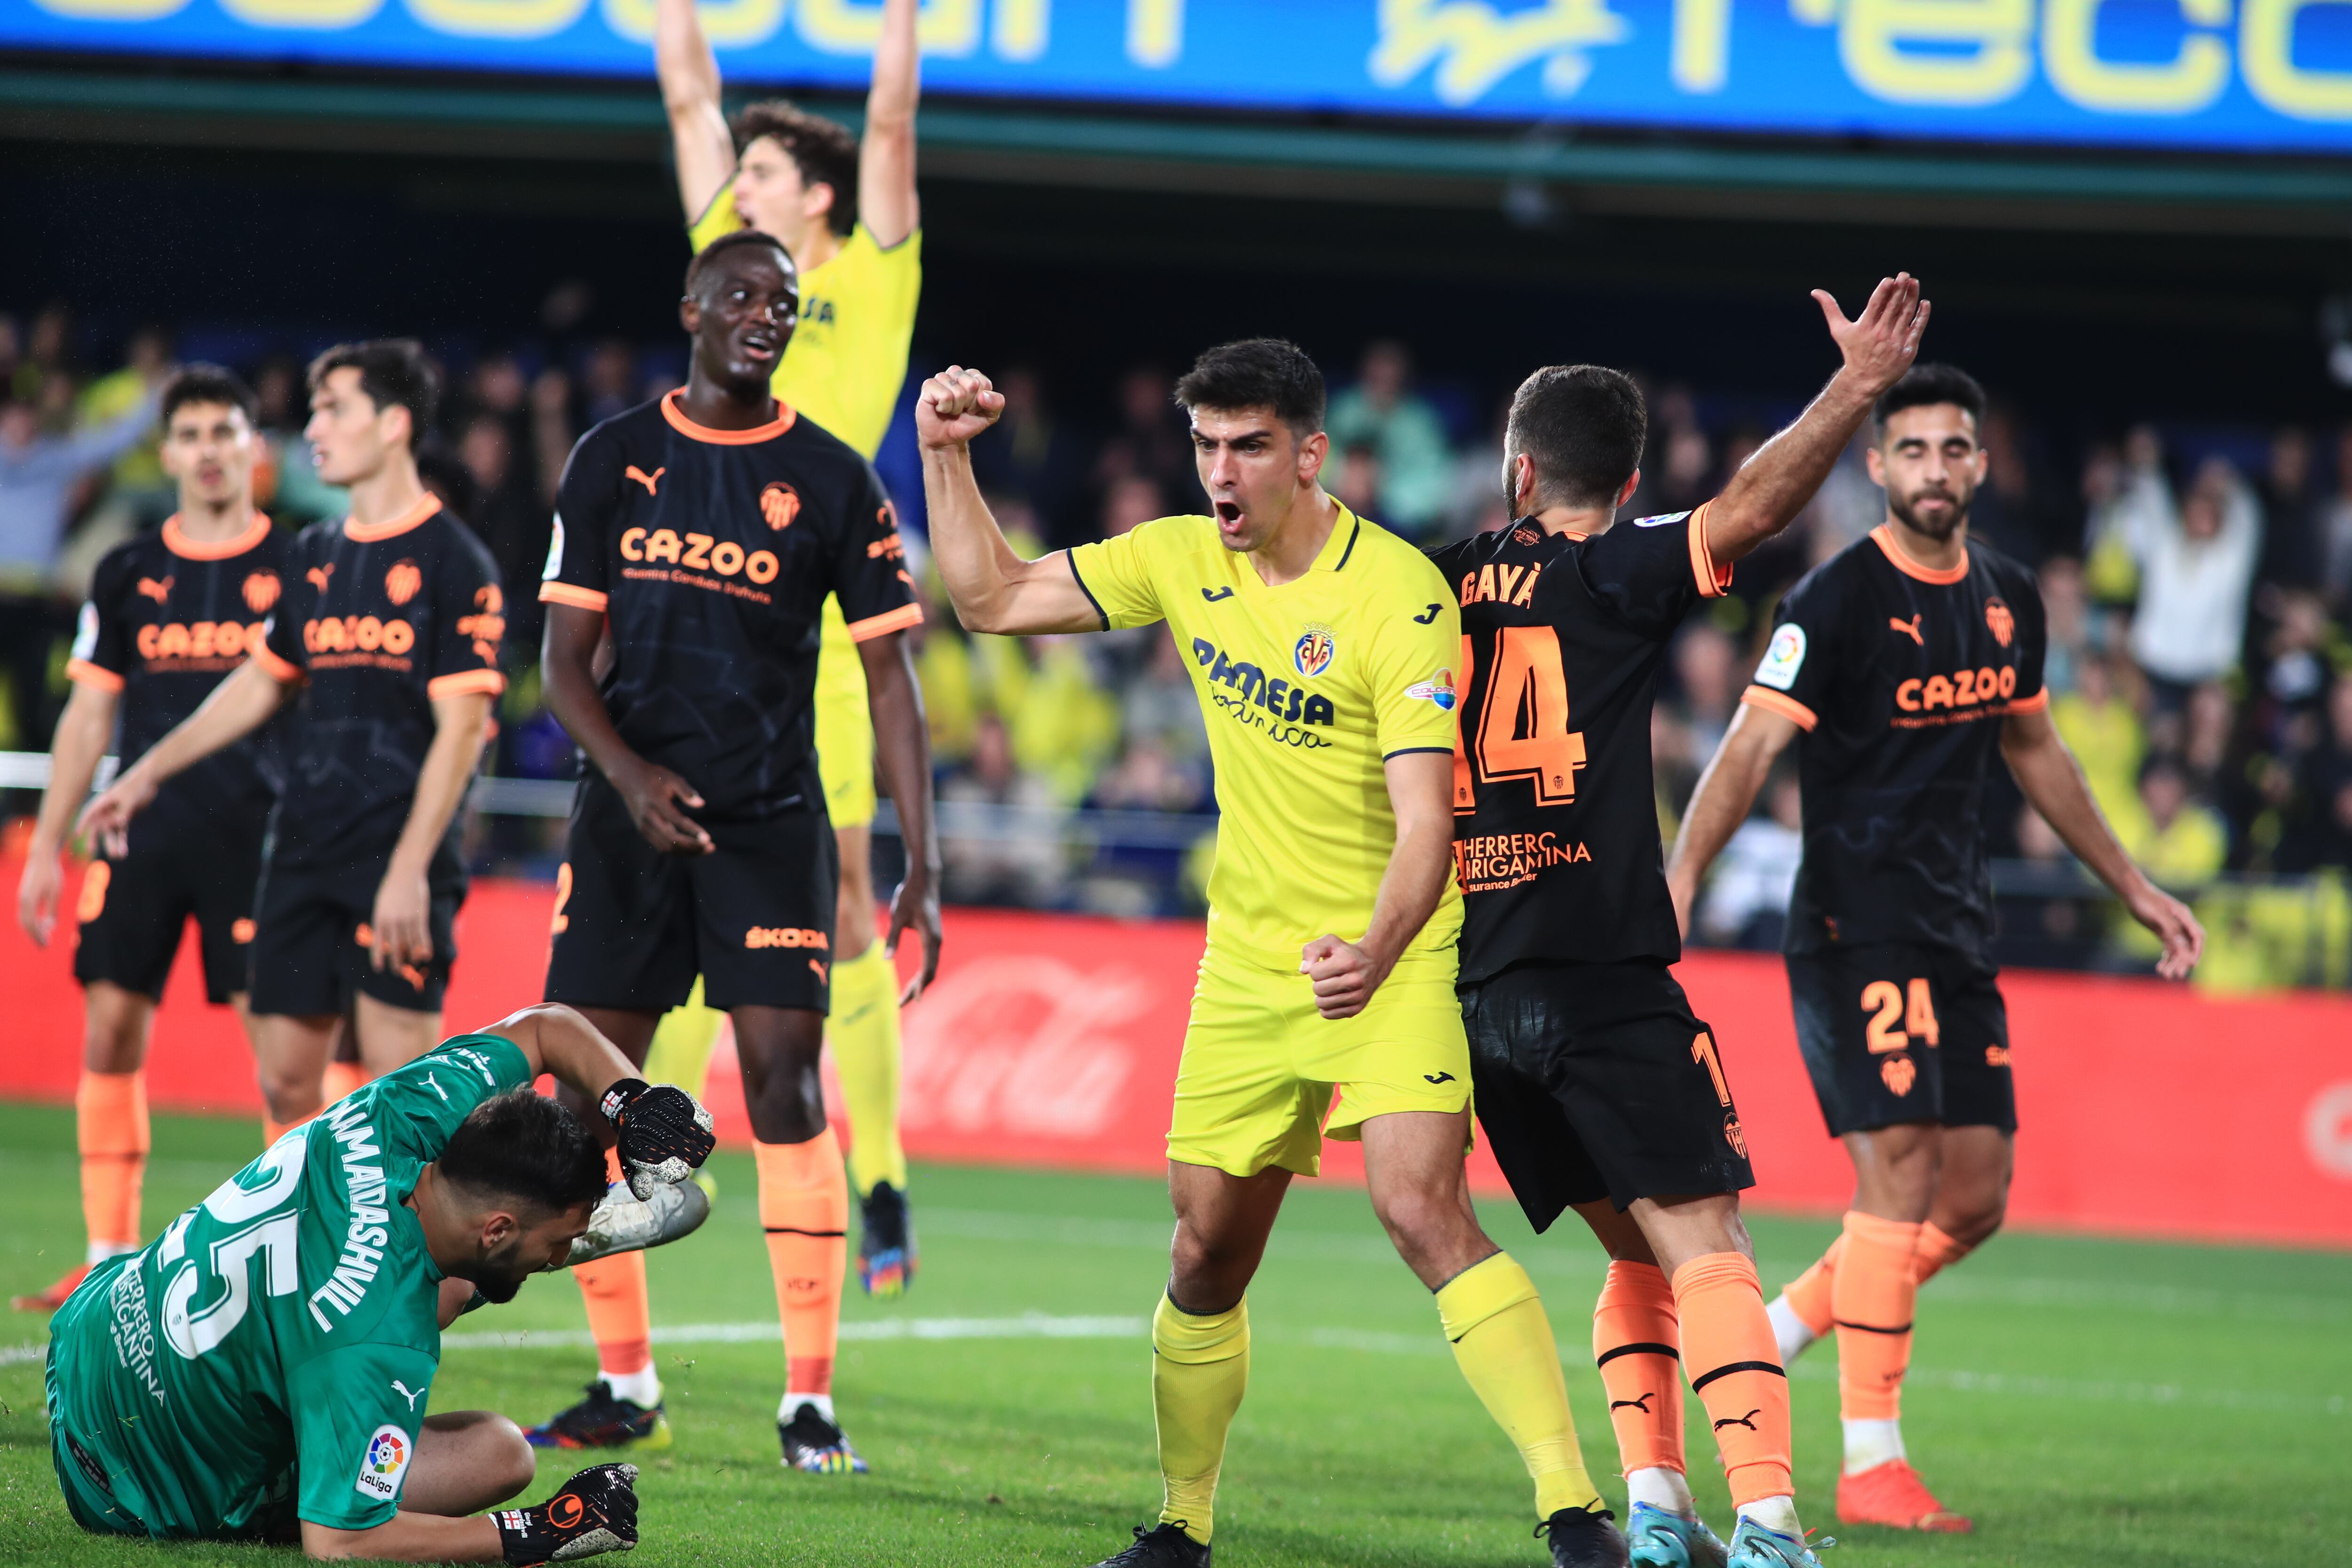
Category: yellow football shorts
[845,728]
[1260,1065]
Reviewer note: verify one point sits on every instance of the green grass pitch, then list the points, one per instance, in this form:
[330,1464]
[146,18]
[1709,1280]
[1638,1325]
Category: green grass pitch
[2090,1402]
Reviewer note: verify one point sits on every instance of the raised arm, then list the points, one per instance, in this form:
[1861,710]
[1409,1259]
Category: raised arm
[994,590]
[887,202]
[400,921]
[1346,974]
[902,749]
[698,138]
[1725,794]
[2050,779]
[1772,487]
[237,708]
[83,731]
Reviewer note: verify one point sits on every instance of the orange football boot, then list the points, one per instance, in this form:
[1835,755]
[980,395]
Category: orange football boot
[1892,1494]
[50,1299]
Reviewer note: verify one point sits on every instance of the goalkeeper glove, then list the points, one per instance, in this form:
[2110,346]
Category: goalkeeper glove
[595,1512]
[665,1133]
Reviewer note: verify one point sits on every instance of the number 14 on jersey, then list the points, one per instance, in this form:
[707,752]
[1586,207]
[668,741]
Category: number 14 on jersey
[1521,729]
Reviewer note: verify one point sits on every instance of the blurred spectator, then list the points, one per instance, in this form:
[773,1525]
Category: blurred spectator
[1381,412]
[1706,671]
[610,383]
[2017,510]
[1130,502]
[552,433]
[1006,862]
[1027,453]
[2068,617]
[2042,930]
[1746,902]
[1065,726]
[2334,527]
[1147,778]
[2128,497]
[2325,837]
[1476,500]
[2177,841]
[2290,513]
[41,376]
[2101,725]
[1357,485]
[2195,571]
[1160,708]
[1846,507]
[1153,440]
[1685,472]
[499,505]
[2205,747]
[139,494]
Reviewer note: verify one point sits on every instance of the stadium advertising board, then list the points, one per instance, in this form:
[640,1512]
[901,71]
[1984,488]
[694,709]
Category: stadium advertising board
[2226,74]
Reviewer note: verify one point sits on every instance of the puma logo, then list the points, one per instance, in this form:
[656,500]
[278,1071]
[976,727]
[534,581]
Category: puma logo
[1909,628]
[1642,1404]
[319,575]
[157,591]
[819,969]
[1427,616]
[411,1393]
[1747,1420]
[644,478]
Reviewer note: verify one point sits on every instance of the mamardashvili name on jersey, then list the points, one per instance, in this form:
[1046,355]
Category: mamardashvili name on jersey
[167,618]
[710,553]
[1899,676]
[1309,687]
[1555,821]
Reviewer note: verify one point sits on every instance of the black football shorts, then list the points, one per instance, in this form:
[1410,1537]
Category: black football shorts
[633,926]
[1595,1080]
[1895,1032]
[311,936]
[133,909]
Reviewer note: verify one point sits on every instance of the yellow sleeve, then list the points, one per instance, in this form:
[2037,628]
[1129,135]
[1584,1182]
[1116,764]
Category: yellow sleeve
[1412,662]
[718,218]
[1120,574]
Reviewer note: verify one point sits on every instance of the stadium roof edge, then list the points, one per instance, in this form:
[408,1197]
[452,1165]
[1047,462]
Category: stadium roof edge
[992,141]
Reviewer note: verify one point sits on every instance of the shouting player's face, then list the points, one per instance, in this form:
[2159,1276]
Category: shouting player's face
[741,313]
[209,448]
[1930,464]
[1255,469]
[351,438]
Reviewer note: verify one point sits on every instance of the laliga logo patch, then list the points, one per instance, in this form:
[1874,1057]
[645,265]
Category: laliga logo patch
[1437,688]
[1315,649]
[780,503]
[2003,624]
[1783,660]
[401,583]
[260,592]
[383,1464]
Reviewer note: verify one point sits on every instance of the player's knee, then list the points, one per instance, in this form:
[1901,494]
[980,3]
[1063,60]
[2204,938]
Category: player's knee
[508,1464]
[1419,1221]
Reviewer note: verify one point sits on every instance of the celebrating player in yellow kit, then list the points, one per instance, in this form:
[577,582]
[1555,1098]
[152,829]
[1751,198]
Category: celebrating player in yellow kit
[845,211]
[1323,649]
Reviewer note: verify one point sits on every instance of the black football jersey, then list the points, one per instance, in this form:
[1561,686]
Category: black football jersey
[710,553]
[1898,676]
[378,620]
[1555,808]
[167,618]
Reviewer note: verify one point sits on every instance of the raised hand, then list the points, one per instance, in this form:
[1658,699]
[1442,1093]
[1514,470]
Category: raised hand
[665,1133]
[1880,344]
[954,407]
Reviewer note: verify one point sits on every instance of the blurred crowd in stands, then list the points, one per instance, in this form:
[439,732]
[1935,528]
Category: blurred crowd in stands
[2199,585]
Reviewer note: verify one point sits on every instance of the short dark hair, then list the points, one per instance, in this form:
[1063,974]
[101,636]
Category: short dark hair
[392,369]
[1257,372]
[202,383]
[735,239]
[824,150]
[521,1145]
[1925,384]
[1583,426]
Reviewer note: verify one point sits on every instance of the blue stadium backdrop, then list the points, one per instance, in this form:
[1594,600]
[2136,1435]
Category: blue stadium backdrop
[2254,75]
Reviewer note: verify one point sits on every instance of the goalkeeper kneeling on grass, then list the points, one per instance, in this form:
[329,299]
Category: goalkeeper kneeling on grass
[260,1371]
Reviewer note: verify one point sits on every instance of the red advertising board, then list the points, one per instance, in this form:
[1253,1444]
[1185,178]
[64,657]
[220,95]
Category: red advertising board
[1051,1040]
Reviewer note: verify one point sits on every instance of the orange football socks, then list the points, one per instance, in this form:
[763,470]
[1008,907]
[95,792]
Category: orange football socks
[1807,1294]
[804,1208]
[1735,1369]
[1872,1299]
[620,1317]
[1637,1344]
[110,1129]
[341,1078]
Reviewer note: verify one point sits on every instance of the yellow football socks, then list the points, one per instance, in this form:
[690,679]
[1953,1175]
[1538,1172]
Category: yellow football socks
[864,1033]
[680,1052]
[1200,1367]
[1503,1341]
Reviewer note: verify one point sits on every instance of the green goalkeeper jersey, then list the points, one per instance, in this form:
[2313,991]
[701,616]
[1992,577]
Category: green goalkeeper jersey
[267,1357]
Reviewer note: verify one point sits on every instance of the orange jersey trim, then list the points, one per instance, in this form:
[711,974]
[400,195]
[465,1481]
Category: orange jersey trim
[488,682]
[176,539]
[1713,579]
[97,675]
[285,674]
[1789,708]
[578,599]
[2034,704]
[1942,577]
[673,410]
[897,620]
[369,532]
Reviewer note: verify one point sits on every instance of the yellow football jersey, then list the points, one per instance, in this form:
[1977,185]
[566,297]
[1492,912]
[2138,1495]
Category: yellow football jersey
[847,359]
[1306,689]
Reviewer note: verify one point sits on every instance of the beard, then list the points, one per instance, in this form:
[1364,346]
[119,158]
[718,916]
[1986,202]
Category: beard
[500,1274]
[1906,507]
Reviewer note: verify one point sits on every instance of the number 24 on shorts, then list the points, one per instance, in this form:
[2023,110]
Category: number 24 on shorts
[1522,726]
[1890,1005]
